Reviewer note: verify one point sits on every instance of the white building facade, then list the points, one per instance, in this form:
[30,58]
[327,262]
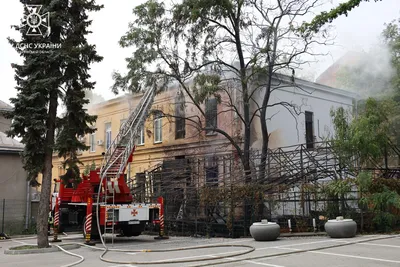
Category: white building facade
[305,117]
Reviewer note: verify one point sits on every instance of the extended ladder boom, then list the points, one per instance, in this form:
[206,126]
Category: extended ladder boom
[117,155]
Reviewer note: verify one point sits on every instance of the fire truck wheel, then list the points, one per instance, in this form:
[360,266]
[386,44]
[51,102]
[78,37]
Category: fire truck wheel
[128,232]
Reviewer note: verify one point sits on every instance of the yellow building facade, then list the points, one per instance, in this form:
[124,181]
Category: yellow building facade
[163,137]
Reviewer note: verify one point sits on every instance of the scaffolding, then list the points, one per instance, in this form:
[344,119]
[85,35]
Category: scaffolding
[287,170]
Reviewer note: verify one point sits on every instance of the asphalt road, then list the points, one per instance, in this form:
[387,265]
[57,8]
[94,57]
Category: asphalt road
[300,251]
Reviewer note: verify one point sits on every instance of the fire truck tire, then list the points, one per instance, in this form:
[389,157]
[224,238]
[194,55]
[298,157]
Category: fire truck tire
[129,231]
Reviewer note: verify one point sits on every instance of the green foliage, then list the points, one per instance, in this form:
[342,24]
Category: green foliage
[229,48]
[342,144]
[327,17]
[367,135]
[382,197]
[206,86]
[364,181]
[36,80]
[370,131]
[339,187]
[391,35]
[76,121]
[55,74]
[87,170]
[146,34]
[93,166]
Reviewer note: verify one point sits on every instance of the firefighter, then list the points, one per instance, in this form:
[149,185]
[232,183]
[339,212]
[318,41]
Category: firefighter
[51,221]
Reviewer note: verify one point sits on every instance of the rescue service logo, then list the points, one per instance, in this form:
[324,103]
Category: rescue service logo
[134,212]
[37,23]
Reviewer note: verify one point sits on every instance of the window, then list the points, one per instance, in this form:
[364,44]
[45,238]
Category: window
[211,115]
[309,121]
[140,138]
[158,127]
[108,135]
[92,142]
[180,122]
[211,169]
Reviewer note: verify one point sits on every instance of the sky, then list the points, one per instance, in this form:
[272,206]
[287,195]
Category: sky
[356,32]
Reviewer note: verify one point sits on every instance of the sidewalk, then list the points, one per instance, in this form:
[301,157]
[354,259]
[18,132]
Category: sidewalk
[302,234]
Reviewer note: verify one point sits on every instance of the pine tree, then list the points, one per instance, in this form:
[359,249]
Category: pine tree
[76,121]
[43,78]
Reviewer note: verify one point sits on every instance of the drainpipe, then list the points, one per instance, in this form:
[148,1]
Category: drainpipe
[28,205]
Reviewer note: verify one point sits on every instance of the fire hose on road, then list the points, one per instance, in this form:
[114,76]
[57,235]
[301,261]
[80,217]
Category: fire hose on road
[214,258]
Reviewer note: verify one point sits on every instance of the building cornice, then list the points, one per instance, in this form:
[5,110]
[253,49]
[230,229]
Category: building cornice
[316,86]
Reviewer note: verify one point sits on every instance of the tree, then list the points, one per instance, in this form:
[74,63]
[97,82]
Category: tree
[327,17]
[366,136]
[391,35]
[79,55]
[359,143]
[45,76]
[229,50]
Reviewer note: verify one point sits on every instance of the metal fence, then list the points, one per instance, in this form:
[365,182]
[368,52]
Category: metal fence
[211,195]
[14,218]
[306,212]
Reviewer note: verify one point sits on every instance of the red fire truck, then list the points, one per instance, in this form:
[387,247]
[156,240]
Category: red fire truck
[130,218]
[104,195]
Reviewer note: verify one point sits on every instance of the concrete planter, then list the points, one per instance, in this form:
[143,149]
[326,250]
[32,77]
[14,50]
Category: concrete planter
[341,228]
[265,231]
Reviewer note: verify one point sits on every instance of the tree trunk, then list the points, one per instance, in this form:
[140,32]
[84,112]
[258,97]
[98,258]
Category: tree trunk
[44,204]
[247,129]
[264,127]
[263,115]
[264,149]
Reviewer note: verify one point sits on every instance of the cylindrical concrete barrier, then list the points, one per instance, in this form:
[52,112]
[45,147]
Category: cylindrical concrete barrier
[265,231]
[341,228]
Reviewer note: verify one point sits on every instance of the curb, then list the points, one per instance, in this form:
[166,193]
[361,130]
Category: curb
[27,237]
[304,234]
[39,250]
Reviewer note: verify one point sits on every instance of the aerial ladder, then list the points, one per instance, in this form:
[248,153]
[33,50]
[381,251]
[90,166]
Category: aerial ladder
[117,157]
